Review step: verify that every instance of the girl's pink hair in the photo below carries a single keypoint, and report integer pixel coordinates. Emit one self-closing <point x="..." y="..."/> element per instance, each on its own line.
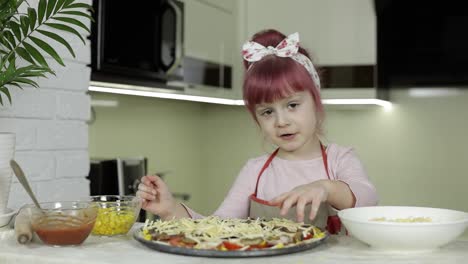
<point x="274" y="77"/>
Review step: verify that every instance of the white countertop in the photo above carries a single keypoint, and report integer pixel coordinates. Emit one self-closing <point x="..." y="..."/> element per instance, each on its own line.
<point x="98" y="250"/>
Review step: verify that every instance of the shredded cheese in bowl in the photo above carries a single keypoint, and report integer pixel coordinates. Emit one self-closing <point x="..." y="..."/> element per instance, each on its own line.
<point x="404" y="228"/>
<point x="403" y="220"/>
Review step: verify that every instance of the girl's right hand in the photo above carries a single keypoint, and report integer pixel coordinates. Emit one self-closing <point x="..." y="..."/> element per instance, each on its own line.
<point x="157" y="199"/>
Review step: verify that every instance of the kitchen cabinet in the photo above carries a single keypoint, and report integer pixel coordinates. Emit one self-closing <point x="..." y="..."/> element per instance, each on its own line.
<point x="210" y="37"/>
<point x="340" y="36"/>
<point x="226" y="5"/>
<point x="208" y="31"/>
<point x="336" y="32"/>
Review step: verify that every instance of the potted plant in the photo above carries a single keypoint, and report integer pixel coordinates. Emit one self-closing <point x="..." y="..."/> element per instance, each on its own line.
<point x="25" y="38"/>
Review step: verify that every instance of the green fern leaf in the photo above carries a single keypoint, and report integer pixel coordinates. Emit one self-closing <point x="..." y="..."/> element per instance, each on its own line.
<point x="25" y="69"/>
<point x="41" y="8"/>
<point x="65" y="28"/>
<point x="59" y="6"/>
<point x="33" y="74"/>
<point x="15" y="84"/>
<point x="68" y="2"/>
<point x="47" y="48"/>
<point x="2" y="60"/>
<point x="26" y="81"/>
<point x="18" y="3"/>
<point x="32" y="18"/>
<point x="31" y="71"/>
<point x="22" y="70"/>
<point x="50" y="7"/>
<point x="58" y="39"/>
<point x="78" y="5"/>
<point x="15" y="27"/>
<point x="24" y="54"/>
<point x="7" y="44"/>
<point x="35" y="54"/>
<point x="17" y="40"/>
<point x="72" y="21"/>
<point x="6" y="92"/>
<point x="4" y="5"/>
<point x="10" y="69"/>
<point x="24" y="22"/>
<point x="78" y="13"/>
<point x="10" y="40"/>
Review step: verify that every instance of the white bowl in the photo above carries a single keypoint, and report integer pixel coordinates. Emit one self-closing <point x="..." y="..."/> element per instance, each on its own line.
<point x="5" y="217"/>
<point x="445" y="226"/>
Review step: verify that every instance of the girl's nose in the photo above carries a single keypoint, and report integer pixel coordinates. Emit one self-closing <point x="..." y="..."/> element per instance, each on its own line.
<point x="282" y="119"/>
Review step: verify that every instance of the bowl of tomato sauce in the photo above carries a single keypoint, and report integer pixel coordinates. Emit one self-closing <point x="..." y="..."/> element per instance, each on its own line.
<point x="64" y="223"/>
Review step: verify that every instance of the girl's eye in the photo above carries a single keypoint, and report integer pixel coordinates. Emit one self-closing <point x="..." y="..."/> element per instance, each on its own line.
<point x="267" y="112"/>
<point x="293" y="105"/>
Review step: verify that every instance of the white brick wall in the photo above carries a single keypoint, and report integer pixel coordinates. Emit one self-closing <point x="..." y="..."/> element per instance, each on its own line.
<point x="51" y="130"/>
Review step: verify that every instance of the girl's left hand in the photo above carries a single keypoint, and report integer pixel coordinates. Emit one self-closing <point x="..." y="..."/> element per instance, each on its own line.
<point x="314" y="193"/>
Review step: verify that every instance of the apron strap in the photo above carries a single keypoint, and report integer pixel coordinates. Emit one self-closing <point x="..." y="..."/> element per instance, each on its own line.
<point x="333" y="221"/>
<point x="325" y="160"/>
<point x="267" y="163"/>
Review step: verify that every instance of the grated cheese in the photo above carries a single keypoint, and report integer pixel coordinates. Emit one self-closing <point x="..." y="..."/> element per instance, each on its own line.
<point x="210" y="232"/>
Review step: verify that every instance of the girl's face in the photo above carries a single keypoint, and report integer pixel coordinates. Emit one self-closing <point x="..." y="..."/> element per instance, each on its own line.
<point x="290" y="123"/>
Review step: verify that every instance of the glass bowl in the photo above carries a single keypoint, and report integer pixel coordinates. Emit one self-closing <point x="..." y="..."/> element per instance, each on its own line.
<point x="116" y="214"/>
<point x="404" y="228"/>
<point x="63" y="223"/>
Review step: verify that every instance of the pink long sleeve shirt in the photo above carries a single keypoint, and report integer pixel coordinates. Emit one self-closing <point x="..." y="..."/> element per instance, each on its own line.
<point x="283" y="175"/>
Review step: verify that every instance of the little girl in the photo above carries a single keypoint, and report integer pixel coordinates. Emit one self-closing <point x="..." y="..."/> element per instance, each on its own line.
<point x="282" y="92"/>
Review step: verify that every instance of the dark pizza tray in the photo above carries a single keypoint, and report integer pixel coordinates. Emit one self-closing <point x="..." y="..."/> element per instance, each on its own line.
<point x="226" y="254"/>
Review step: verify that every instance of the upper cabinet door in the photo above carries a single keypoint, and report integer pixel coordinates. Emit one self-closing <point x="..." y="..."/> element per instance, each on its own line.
<point x="228" y="5"/>
<point x="210" y="30"/>
<point x="336" y="32"/>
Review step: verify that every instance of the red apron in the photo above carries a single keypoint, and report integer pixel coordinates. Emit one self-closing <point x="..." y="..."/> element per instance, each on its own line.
<point x="326" y="215"/>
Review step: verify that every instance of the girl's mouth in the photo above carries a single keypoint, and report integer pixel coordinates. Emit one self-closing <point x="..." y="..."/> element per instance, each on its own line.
<point x="287" y="136"/>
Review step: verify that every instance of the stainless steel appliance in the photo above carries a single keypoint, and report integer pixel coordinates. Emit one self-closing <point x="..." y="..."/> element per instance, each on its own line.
<point x="117" y="176"/>
<point x="121" y="176"/>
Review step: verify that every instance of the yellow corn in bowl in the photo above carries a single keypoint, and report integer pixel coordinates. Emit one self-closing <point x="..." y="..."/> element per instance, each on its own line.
<point x="116" y="214"/>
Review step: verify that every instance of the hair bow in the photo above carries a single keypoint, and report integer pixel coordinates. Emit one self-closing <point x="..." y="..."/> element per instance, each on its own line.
<point x="288" y="47"/>
<point x="253" y="51"/>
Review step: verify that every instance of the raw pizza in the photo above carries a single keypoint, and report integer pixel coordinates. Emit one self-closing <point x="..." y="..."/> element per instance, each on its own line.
<point x="214" y="233"/>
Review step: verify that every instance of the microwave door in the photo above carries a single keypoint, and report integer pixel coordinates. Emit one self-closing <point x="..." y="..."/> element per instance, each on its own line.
<point x="171" y="31"/>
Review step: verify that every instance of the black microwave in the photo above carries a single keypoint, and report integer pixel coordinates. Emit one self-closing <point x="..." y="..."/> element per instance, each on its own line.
<point x="137" y="41"/>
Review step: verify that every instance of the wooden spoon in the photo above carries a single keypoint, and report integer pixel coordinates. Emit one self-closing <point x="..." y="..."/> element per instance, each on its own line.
<point x="22" y="179"/>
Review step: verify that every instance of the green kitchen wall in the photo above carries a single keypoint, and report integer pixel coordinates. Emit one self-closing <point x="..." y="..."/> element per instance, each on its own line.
<point x="416" y="154"/>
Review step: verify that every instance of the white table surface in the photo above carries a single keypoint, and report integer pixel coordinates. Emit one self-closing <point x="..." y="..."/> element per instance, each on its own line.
<point x="337" y="249"/>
